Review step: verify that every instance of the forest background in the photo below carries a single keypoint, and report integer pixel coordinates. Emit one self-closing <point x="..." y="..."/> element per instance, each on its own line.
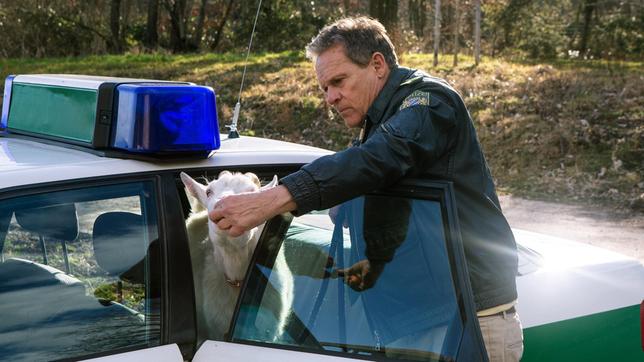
<point x="555" y="88"/>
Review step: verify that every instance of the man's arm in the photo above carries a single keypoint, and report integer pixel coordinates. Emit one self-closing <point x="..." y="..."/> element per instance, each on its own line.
<point x="238" y="213"/>
<point x="409" y="141"/>
<point x="411" y="138"/>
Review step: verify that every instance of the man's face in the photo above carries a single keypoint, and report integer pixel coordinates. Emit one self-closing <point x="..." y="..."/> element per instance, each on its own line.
<point x="348" y="87"/>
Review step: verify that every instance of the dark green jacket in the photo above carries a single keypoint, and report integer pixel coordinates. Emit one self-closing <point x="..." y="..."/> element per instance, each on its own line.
<point x="418" y="127"/>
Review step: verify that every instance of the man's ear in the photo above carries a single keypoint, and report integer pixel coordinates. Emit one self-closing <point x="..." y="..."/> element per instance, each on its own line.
<point x="194" y="188"/>
<point x="379" y="64"/>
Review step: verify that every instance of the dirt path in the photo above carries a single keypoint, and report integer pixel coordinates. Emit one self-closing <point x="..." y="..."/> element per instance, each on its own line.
<point x="602" y="228"/>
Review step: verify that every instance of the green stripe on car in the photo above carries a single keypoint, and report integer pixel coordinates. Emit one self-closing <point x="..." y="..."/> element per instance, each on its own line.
<point x="607" y="336"/>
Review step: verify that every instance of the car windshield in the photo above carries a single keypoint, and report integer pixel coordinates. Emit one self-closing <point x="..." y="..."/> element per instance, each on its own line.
<point x="381" y="285"/>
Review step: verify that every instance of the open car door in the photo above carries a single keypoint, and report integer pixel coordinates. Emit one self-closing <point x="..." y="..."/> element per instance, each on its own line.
<point x="386" y="279"/>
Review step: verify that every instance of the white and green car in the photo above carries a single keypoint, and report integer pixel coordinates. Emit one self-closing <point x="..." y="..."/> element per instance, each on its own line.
<point x="95" y="260"/>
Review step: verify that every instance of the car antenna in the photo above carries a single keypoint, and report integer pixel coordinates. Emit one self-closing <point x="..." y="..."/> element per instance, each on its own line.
<point x="232" y="133"/>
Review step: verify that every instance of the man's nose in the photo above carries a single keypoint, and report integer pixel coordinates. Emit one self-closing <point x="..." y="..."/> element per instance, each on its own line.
<point x="332" y="96"/>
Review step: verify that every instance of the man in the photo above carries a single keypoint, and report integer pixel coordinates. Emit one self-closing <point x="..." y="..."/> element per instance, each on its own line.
<point x="413" y="125"/>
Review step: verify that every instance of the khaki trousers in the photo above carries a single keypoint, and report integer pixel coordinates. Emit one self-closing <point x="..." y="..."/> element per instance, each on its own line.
<point x="503" y="337"/>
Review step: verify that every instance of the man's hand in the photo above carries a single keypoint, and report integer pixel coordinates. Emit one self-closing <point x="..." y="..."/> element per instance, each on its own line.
<point x="362" y="275"/>
<point x="238" y="213"/>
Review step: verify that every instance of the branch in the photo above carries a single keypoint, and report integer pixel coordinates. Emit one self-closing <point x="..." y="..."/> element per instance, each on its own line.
<point x="85" y="27"/>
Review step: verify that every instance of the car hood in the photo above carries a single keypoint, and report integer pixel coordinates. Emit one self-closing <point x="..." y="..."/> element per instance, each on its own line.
<point x="561" y="279"/>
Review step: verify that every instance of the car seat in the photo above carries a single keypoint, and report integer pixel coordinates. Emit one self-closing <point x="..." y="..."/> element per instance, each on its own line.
<point x="120" y="244"/>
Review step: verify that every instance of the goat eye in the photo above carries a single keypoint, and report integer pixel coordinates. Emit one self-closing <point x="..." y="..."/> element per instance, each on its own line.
<point x="208" y="193"/>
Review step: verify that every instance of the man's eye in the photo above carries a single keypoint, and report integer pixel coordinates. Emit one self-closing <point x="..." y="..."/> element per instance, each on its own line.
<point x="208" y="193"/>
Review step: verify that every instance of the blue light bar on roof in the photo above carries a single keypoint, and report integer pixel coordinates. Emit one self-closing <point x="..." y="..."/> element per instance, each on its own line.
<point x="165" y="118"/>
<point x="123" y="115"/>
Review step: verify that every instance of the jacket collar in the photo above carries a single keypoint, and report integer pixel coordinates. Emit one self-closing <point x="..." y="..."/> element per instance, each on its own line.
<point x="379" y="105"/>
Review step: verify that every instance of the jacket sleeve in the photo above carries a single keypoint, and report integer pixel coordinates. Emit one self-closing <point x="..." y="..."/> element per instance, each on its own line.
<point x="407" y="141"/>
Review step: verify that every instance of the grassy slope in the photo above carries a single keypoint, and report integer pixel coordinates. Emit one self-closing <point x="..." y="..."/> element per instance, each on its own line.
<point x="564" y="131"/>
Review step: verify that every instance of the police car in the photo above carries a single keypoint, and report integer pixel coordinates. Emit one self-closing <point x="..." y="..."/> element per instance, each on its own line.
<point x="95" y="260"/>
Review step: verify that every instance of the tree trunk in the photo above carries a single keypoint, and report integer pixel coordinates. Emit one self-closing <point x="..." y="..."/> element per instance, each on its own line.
<point x="199" y="27"/>
<point x="417" y="17"/>
<point x="437" y="29"/>
<point x="589" y="8"/>
<point x="177" y="9"/>
<point x="477" y="31"/>
<point x="457" y="15"/>
<point x="386" y="11"/>
<point x="222" y="23"/>
<point x="115" y="25"/>
<point x="151" y="30"/>
<point x="347" y="5"/>
<point x="126" y="15"/>
<point x="507" y="19"/>
<point x="573" y="37"/>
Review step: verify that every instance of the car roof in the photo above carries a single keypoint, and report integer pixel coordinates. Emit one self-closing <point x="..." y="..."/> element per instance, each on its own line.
<point x="28" y="161"/>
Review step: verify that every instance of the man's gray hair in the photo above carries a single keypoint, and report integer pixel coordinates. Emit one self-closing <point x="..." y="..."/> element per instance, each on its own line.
<point x="361" y="38"/>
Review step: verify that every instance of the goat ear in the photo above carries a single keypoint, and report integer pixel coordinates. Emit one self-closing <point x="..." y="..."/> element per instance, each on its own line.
<point x="271" y="184"/>
<point x="194" y="189"/>
<point x="253" y="178"/>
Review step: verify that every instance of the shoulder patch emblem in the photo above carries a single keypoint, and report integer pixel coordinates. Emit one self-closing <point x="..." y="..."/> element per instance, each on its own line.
<point x="417" y="98"/>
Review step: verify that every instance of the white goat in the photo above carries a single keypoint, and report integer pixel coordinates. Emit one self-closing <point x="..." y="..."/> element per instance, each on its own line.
<point x="220" y="262"/>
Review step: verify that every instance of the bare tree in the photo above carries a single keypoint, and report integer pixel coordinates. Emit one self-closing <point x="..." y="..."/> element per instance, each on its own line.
<point x="437" y="29"/>
<point x="346" y="4"/>
<point x="457" y="15"/>
<point x="222" y="23"/>
<point x="589" y="9"/>
<point x="177" y="9"/>
<point x="507" y="19"/>
<point x="116" y="44"/>
<point x="151" y="30"/>
<point x="417" y="16"/>
<point x="477" y="31"/>
<point x="200" y="22"/>
<point x="386" y="11"/>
